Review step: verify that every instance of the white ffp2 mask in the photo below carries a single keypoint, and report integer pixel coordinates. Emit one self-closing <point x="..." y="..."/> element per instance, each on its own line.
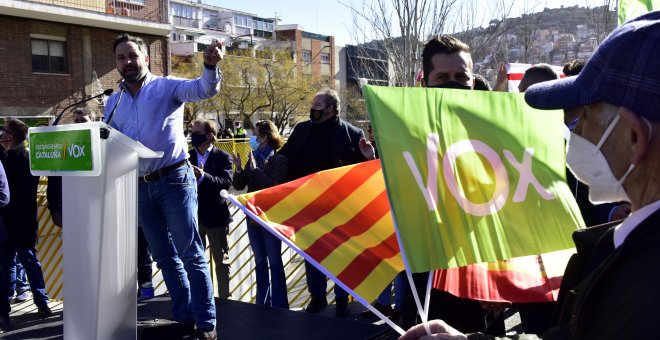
<point x="590" y="166"/>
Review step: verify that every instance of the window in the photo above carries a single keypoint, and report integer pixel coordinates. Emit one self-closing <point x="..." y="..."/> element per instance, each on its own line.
<point x="184" y="11"/>
<point x="49" y="56"/>
<point x="325" y="58"/>
<point x="307" y="55"/>
<point x="270" y="27"/>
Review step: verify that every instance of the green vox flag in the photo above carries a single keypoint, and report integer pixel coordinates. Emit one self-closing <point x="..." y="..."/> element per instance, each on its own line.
<point x="630" y="9"/>
<point x="61" y="151"/>
<point x="472" y="176"/>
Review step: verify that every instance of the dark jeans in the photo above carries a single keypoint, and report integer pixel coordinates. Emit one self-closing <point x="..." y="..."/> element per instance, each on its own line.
<point x="18" y="281"/>
<point x="267" y="251"/>
<point x="317" y="284"/>
<point x="144" y="268"/>
<point x="167" y="213"/>
<point x="28" y="258"/>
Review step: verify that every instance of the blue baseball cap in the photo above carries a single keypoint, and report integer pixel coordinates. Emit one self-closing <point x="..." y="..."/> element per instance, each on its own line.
<point x="623" y="71"/>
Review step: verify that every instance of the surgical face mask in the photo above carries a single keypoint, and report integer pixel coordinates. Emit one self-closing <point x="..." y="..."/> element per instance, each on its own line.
<point x="254" y="144"/>
<point x="197" y="139"/>
<point x="451" y="85"/>
<point x="590" y="166"/>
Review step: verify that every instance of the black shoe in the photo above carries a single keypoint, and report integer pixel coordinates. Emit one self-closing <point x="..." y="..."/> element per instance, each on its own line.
<point x="44" y="311"/>
<point x="341" y="309"/>
<point x="5" y="324"/>
<point x="203" y="335"/>
<point x="316" y="305"/>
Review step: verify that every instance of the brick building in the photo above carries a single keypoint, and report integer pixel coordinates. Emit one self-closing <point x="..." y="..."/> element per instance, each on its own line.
<point x="314" y="52"/>
<point x="57" y="52"/>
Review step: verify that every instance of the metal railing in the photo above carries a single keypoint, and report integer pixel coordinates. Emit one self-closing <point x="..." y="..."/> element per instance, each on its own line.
<point x="149" y="10"/>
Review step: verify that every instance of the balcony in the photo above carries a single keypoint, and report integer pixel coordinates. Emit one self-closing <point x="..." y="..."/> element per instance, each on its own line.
<point x="141" y="16"/>
<point x="149" y="10"/>
<point x="185" y="22"/>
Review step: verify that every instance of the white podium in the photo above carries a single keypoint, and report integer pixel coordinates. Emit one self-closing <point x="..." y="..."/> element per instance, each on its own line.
<point x="99" y="213"/>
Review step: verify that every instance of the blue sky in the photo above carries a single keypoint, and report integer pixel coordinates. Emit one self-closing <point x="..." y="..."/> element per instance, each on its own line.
<point x="330" y="17"/>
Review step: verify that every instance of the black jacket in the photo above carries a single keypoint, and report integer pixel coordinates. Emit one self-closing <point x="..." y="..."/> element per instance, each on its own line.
<point x="213" y="211"/>
<point x="20" y="215"/>
<point x="273" y="173"/>
<point x="619" y="296"/>
<point x="344" y="147"/>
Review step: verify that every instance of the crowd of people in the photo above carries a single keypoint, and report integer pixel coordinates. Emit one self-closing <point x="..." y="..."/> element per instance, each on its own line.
<point x="612" y="114"/>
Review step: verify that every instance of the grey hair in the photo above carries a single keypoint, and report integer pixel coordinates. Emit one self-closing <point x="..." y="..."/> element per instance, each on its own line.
<point x="331" y="98"/>
<point x="608" y="114"/>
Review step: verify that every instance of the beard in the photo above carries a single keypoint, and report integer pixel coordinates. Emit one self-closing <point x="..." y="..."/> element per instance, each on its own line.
<point x="133" y="74"/>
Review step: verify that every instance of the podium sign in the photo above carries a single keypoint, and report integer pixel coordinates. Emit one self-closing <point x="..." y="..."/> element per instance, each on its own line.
<point x="99" y="217"/>
<point x="68" y="150"/>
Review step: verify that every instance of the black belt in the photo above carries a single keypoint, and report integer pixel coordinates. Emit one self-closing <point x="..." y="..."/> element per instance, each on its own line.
<point x="162" y="172"/>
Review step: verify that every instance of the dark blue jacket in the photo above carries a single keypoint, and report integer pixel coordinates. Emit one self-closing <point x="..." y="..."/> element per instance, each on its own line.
<point x="213" y="211"/>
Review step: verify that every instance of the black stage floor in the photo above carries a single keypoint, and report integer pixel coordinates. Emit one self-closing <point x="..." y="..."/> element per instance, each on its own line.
<point x="236" y="320"/>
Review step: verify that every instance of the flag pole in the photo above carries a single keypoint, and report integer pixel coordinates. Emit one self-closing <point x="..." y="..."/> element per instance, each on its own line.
<point x="427" y="296"/>
<point x="309" y="259"/>
<point x="422" y="311"/>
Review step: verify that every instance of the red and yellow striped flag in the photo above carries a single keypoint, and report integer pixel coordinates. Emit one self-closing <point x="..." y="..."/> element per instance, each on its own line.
<point x="535" y="278"/>
<point x="339" y="218"/>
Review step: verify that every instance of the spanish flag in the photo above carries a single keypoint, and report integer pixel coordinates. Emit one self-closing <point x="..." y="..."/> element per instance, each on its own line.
<point x="339" y="220"/>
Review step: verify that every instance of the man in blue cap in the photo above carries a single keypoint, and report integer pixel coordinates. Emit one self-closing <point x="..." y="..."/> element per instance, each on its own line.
<point x="610" y="286"/>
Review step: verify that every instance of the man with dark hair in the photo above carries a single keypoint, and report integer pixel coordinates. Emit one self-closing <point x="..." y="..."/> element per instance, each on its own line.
<point x="151" y="112"/>
<point x="481" y="83"/>
<point x="536" y="74"/>
<point x="447" y="63"/>
<point x="83" y="115"/>
<point x="20" y="215"/>
<point x="321" y="143"/>
<point x="615" y="150"/>
<point x="213" y="170"/>
<point x="573" y="68"/>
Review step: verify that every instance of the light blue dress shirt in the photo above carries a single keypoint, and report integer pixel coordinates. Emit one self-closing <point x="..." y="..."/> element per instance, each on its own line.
<point x="154" y="116"/>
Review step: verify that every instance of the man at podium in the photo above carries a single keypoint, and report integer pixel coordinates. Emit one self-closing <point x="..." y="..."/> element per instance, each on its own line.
<point x="149" y="109"/>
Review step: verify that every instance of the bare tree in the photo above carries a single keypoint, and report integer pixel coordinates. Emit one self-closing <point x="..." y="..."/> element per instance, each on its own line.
<point x="397" y="28"/>
<point x="602" y="17"/>
<point x="486" y="36"/>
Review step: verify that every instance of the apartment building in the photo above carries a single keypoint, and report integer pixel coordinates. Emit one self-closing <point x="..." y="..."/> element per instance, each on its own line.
<point x="57" y="52"/>
<point x="195" y="25"/>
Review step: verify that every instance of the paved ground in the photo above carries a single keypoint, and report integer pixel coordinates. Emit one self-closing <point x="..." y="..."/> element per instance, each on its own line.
<point x="27" y="325"/>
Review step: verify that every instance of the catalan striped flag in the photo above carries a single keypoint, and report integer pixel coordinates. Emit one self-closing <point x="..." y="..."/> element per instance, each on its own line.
<point x="535" y="278"/>
<point x="337" y="219"/>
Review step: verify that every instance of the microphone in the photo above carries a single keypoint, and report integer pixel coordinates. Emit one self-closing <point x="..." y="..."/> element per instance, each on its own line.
<point x="114" y="108"/>
<point x="105" y="93"/>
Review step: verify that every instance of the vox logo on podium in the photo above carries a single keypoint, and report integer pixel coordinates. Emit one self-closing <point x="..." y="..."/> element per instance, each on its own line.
<point x="68" y="150"/>
<point x="74" y="150"/>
